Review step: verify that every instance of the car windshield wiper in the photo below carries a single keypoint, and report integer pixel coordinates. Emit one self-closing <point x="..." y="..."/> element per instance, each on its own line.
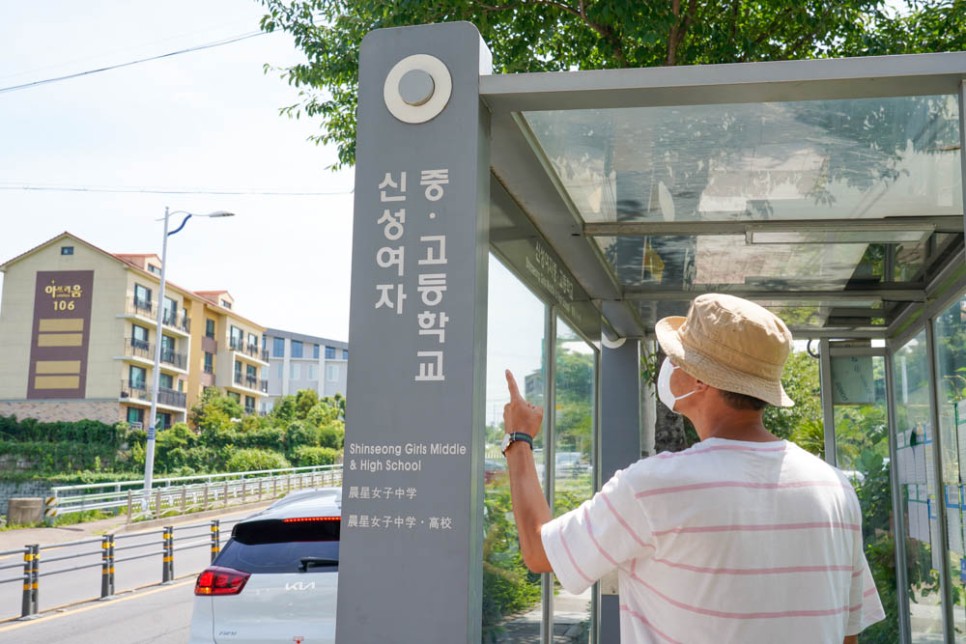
<point x="305" y="562"/>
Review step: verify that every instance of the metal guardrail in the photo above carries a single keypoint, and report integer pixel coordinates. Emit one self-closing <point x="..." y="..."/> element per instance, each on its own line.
<point x="108" y="547"/>
<point x="183" y="495"/>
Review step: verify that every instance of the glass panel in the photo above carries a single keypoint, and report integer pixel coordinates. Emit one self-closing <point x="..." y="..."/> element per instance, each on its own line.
<point x="515" y="340"/>
<point x="720" y="261"/>
<point x="834" y="159"/>
<point x="917" y="477"/>
<point x="951" y="367"/>
<point x="862" y="451"/>
<point x="573" y="451"/>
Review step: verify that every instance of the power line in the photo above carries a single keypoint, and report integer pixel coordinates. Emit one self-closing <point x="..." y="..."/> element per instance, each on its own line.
<point x="210" y="45"/>
<point x="175" y="191"/>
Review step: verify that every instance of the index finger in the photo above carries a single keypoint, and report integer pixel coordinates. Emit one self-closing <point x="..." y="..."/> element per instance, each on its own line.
<point x="512" y="384"/>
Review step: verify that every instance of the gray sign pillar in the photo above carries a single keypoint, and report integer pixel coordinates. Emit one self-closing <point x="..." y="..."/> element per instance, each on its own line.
<point x="620" y="443"/>
<point x="412" y="511"/>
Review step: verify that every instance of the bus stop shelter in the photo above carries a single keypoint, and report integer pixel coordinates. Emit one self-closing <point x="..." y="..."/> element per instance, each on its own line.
<point x="545" y="222"/>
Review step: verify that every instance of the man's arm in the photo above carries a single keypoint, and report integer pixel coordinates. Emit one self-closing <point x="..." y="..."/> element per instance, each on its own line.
<point x="530" y="508"/>
<point x="851" y="639"/>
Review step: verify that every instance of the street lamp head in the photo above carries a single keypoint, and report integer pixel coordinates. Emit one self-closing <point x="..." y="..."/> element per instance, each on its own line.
<point x="219" y="213"/>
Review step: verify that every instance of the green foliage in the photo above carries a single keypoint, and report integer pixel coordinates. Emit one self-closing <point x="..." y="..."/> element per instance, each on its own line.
<point x="801" y="422"/>
<point x="249" y="459"/>
<point x="215" y="410"/>
<point x="508" y="587"/>
<point x="310" y="455"/>
<point x="31" y="430"/>
<point x="598" y="34"/>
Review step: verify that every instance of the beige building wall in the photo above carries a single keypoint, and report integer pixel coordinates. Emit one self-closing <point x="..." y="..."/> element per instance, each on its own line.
<point x="110" y="353"/>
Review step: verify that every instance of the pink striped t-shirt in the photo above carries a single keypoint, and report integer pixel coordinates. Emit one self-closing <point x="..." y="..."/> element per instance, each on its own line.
<point x="728" y="541"/>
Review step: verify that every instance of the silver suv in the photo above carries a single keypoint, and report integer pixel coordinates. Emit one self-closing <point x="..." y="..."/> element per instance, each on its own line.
<point x="276" y="578"/>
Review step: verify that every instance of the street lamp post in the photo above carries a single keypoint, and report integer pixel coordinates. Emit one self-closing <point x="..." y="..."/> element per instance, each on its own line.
<point x="156" y="375"/>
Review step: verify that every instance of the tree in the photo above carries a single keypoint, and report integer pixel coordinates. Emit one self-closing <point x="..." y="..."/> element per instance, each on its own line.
<point x="556" y="35"/>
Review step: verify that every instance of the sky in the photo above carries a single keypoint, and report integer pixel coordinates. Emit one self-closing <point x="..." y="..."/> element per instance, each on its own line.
<point x="200" y="122"/>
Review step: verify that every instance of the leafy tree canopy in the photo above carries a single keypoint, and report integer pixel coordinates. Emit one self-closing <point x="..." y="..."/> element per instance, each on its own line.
<point x="555" y="35"/>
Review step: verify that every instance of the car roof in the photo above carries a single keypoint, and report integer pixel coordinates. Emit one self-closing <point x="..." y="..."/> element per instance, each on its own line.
<point x="304" y="503"/>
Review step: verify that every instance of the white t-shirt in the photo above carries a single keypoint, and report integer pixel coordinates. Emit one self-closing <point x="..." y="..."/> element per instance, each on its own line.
<point x="728" y="541"/>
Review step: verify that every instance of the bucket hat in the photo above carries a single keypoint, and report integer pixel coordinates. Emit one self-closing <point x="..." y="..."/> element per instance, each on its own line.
<point x="731" y="344"/>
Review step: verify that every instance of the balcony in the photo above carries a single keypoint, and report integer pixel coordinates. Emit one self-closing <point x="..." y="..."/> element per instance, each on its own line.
<point x="138" y="390"/>
<point x="244" y="380"/>
<point x="135" y="390"/>
<point x="177" y="320"/>
<point x="143" y="308"/>
<point x="138" y="348"/>
<point x="176" y="360"/>
<point x="250" y="350"/>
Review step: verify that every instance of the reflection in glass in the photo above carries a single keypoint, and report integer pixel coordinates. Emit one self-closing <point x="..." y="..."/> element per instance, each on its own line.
<point x="950" y="334"/>
<point x="831" y="159"/>
<point x="573" y="455"/>
<point x="862" y="452"/>
<point x="515" y="340"/>
<point x="917" y="479"/>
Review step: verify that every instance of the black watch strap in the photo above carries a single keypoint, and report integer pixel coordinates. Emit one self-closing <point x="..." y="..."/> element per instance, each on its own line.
<point x="518" y="436"/>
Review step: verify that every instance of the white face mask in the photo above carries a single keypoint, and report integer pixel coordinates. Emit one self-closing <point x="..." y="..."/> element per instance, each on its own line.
<point x="664" y="386"/>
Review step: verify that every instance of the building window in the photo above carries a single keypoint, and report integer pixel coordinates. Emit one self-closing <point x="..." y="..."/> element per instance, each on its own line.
<point x="313" y="375"/>
<point x="164" y="420"/>
<point x="238" y="372"/>
<point x="154" y="269"/>
<point x="296" y="373"/>
<point x="166" y="381"/>
<point x="209" y="362"/>
<point x="252" y="344"/>
<point x="234" y="395"/>
<point x="237" y="338"/>
<point x="332" y="372"/>
<point x="226" y="304"/>
<point x="279" y="371"/>
<point x="251" y="376"/>
<point x="170" y="311"/>
<point x="345" y="354"/>
<point x="167" y="350"/>
<point x="330" y="353"/>
<point x="135" y="417"/>
<point x="315" y="351"/>
<point x="137" y="377"/>
<point x="296" y="348"/>
<point x="139" y="337"/>
<point x="278" y="347"/>
<point x="249" y="405"/>
<point x="209" y="328"/>
<point x="66" y="250"/>
<point x="142" y="297"/>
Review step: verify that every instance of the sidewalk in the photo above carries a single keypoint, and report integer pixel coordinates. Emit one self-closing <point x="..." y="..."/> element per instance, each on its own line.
<point x="19" y="537"/>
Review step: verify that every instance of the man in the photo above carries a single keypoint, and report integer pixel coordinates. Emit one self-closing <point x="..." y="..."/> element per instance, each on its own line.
<point x="743" y="538"/>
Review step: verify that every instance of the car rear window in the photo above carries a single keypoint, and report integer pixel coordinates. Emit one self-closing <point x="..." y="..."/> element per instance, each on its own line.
<point x="273" y="546"/>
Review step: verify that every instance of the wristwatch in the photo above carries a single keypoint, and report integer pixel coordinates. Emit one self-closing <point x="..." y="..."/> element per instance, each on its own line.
<point x="512" y="437"/>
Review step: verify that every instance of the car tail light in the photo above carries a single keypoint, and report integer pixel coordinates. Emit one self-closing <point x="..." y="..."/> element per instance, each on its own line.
<point x="311" y="519"/>
<point x="220" y="581"/>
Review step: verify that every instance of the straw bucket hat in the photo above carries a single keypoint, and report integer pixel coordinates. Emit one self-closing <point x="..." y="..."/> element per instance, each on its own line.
<point x="731" y="344"/>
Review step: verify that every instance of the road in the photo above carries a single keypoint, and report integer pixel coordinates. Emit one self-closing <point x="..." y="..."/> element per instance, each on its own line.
<point x="157" y="615"/>
<point x="70" y="583"/>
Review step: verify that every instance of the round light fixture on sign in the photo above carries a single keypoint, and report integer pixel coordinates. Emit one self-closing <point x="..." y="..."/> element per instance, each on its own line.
<point x="417" y="88"/>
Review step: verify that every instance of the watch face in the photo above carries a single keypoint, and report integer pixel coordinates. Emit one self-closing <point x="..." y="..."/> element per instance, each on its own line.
<point x="505" y="443"/>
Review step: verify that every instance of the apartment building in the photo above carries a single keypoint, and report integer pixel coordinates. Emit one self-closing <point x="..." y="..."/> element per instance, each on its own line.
<point x="78" y="336"/>
<point x="298" y="361"/>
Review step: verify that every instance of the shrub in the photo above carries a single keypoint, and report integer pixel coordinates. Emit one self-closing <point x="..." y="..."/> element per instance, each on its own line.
<point x="311" y="455"/>
<point x="246" y="460"/>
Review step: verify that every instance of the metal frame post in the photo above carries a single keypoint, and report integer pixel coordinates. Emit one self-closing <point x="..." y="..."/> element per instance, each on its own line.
<point x="941" y="519"/>
<point x="828" y="408"/>
<point x="898" y="508"/>
<point x="549" y="427"/>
